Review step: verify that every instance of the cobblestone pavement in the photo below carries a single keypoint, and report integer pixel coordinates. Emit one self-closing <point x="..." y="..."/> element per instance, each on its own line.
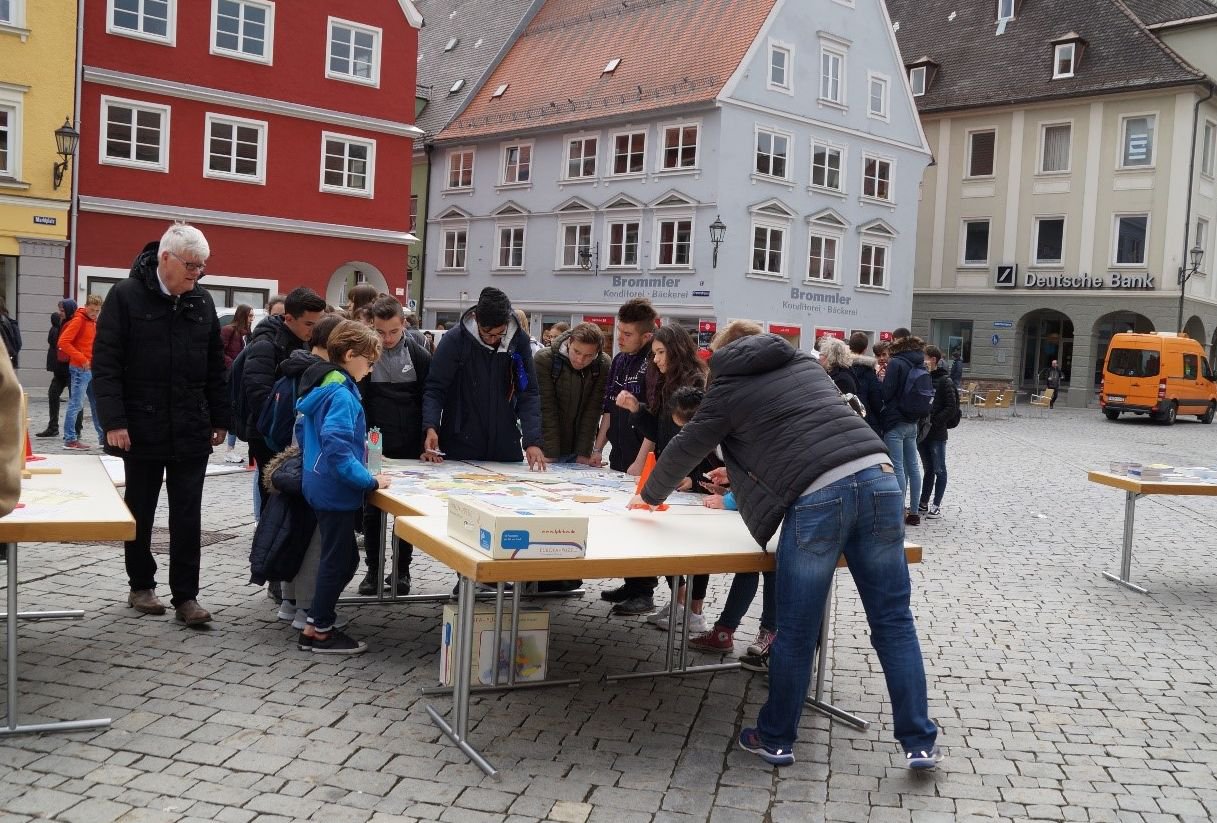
<point x="1061" y="695"/>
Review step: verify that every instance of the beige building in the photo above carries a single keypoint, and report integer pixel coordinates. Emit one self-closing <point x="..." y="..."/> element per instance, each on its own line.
<point x="1075" y="155"/>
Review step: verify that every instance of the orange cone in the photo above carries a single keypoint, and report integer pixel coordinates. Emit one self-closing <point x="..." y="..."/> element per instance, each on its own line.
<point x="30" y="457"/>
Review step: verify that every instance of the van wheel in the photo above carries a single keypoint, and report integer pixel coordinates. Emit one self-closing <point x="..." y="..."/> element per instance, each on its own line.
<point x="1112" y="415"/>
<point x="1207" y="417"/>
<point x="1168" y="417"/>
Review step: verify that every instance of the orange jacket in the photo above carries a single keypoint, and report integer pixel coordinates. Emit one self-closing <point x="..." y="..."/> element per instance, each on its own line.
<point x="76" y="340"/>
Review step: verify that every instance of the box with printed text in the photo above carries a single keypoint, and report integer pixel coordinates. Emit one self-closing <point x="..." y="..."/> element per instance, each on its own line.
<point x="517" y="532"/>
<point x="528" y="657"/>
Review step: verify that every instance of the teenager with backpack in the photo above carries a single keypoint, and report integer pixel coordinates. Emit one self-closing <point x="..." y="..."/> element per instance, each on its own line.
<point x="571" y="373"/>
<point x="908" y="396"/>
<point x="944" y="414"/>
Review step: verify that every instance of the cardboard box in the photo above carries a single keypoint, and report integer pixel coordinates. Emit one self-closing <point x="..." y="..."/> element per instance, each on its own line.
<point x="516" y="532"/>
<point x="532" y="646"/>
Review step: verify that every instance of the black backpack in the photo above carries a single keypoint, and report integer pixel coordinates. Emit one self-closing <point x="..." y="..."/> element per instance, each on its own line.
<point x="917" y="394"/>
<point x="956" y="412"/>
<point x="277" y="419"/>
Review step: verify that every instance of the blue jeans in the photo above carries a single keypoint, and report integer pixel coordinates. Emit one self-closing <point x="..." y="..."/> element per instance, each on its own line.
<point x="901" y="442"/>
<point x="739" y="599"/>
<point x="860" y="516"/>
<point x="80" y="387"/>
<point x="338" y="564"/>
<point x="934" y="459"/>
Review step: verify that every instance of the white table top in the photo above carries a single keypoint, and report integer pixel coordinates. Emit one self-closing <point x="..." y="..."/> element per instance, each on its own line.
<point x="78" y="504"/>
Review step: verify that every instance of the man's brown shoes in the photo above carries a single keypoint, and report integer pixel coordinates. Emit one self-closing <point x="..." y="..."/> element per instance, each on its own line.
<point x="146" y="601"/>
<point x="192" y="614"/>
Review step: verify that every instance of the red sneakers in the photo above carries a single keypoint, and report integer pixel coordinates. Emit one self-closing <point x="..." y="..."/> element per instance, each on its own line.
<point x="76" y="444"/>
<point x="718" y="639"/>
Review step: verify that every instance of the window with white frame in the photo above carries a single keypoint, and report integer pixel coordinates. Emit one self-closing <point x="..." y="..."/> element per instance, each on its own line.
<point x="456" y="244"/>
<point x="146" y="19"/>
<point x="575" y="238"/>
<point x="675" y="242"/>
<point x="135" y="134"/>
<point x="826" y="163"/>
<point x="10" y="135"/>
<point x="1049" y="241"/>
<point x="832" y="75"/>
<point x="823" y="257"/>
<point x="877" y="99"/>
<point x="872" y="264"/>
<point x="12" y="12"/>
<point x="1202" y="239"/>
<point x="1063" y="60"/>
<point x="460" y="169"/>
<point x="1208" y="151"/>
<point x="876" y="178"/>
<point x="772" y="153"/>
<point x="1137" y="141"/>
<point x="581" y="157"/>
<point x="680" y="147"/>
<point x="975" y="242"/>
<point x="235" y="149"/>
<point x="1056" y="148"/>
<point x="982" y="147"/>
<point x="780" y="60"/>
<point x="768" y="249"/>
<point x="348" y="164"/>
<point x="1005" y="9"/>
<point x="629" y="153"/>
<point x="623" y="244"/>
<point x="243" y="28"/>
<point x="917" y="80"/>
<point x="353" y="52"/>
<point x="517" y="164"/>
<point x="511" y="247"/>
<point x="1131" y="236"/>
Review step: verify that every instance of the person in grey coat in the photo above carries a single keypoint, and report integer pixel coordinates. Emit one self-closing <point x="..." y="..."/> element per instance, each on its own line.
<point x="799" y="457"/>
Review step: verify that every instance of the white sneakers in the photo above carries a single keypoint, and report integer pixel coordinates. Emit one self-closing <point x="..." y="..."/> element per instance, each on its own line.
<point x="231" y="456"/>
<point x="697" y="622"/>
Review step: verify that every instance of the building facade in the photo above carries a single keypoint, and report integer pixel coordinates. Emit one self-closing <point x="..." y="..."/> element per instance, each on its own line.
<point x="1062" y="214"/>
<point x="575" y="185"/>
<point x="283" y="131"/>
<point x="37" y="56"/>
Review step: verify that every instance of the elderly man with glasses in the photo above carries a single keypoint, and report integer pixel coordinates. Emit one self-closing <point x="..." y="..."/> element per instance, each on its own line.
<point x="481" y="392"/>
<point x="158" y="372"/>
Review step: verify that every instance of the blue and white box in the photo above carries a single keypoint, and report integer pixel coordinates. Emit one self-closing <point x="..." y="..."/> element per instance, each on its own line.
<point x="510" y="531"/>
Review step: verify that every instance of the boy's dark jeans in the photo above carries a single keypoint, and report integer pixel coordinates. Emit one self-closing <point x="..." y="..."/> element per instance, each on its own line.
<point x="405" y="551"/>
<point x="338" y="564"/>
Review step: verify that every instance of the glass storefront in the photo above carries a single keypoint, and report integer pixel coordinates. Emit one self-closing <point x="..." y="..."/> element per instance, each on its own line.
<point x="954" y="337"/>
<point x="1047" y="336"/>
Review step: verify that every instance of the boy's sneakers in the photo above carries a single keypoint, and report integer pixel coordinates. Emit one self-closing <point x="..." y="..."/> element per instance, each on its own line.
<point x="287" y="612"/>
<point x="922" y="508"/>
<point x="231" y="456"/>
<point x="912" y="520"/>
<point x="336" y="642"/>
<point x="76" y="444"/>
<point x="635" y="605"/>
<point x="697" y="622"/>
<point x="934" y="513"/>
<point x="718" y="639"/>
<point x="764" y="639"/>
<point x="750" y="741"/>
<point x="924" y="760"/>
<point x="755" y="662"/>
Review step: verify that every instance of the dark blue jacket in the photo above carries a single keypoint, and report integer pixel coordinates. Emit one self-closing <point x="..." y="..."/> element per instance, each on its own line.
<point x="902" y="361"/>
<point x="479" y="400"/>
<point x="870" y="390"/>
<point x="287" y="523"/>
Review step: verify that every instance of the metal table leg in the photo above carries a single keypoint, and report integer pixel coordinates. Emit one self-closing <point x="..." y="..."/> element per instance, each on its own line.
<point x="1130" y="516"/>
<point x="816" y="699"/>
<point x="11" y="726"/>
<point x="458" y="731"/>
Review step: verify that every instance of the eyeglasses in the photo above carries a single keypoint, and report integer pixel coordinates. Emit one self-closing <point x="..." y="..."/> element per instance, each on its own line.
<point x="197" y="268"/>
<point x="491" y="334"/>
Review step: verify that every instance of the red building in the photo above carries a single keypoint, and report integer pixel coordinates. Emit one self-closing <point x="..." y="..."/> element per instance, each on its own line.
<point x="283" y="130"/>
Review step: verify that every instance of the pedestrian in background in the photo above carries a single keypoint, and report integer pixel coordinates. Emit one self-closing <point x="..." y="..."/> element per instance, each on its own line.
<point x="10" y="333"/>
<point x="933" y="447"/>
<point x="900" y="427"/>
<point x="1055" y="376"/>
<point x="159" y="369"/>
<point x="57" y="365"/>
<point x="76" y="341"/>
<point x="836" y="360"/>
<point x="234" y="336"/>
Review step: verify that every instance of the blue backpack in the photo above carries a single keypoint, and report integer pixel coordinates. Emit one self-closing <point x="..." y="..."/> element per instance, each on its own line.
<point x="917" y="394"/>
<point x="277" y="419"/>
<point x="236" y="396"/>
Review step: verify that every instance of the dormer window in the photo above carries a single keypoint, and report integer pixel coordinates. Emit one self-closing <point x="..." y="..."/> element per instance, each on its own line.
<point x="921" y="75"/>
<point x="917" y="80"/>
<point x="1066" y="54"/>
<point x="1005" y="10"/>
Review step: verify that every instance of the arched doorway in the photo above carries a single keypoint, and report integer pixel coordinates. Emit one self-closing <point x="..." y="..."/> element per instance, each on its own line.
<point x="1110" y="324"/>
<point x="1047" y="335"/>
<point x="347" y="276"/>
<point x="1194" y="328"/>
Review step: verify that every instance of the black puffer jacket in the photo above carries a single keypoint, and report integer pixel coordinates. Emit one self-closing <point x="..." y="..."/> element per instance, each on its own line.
<point x="869" y="389"/>
<point x="269" y="345"/>
<point x="946" y="400"/>
<point x="287" y="522"/>
<point x="907" y="352"/>
<point x="397" y="408"/>
<point x="781" y="422"/>
<point x="158" y="367"/>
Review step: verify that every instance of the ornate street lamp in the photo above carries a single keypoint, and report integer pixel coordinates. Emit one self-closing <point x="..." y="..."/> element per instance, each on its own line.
<point x="718" y="230"/>
<point x="66" y="141"/>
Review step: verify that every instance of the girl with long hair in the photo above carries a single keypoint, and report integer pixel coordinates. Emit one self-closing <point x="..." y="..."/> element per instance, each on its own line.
<point x="234" y="336"/>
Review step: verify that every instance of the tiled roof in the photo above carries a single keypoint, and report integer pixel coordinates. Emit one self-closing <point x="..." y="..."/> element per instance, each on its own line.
<point x="673" y="53"/>
<point x="1153" y="12"/>
<point x="977" y="67"/>
<point x="482" y="28"/>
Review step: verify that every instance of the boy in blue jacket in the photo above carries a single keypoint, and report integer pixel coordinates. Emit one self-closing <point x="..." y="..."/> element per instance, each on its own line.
<point x="331" y="432"/>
